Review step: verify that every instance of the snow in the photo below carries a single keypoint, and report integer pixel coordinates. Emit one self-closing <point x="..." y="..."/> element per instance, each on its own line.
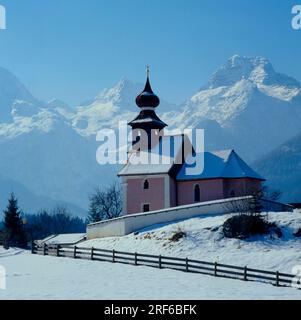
<point x="219" y="164"/>
<point x="161" y="157"/>
<point x="221" y="104"/>
<point x="10" y="252"/>
<point x="246" y="95"/>
<point x="204" y="241"/>
<point x="257" y="69"/>
<point x="43" y="277"/>
<point x="280" y="92"/>
<point x="71" y="238"/>
<point x="111" y="106"/>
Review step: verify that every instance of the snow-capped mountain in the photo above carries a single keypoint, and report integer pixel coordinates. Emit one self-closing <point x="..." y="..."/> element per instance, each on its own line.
<point x="109" y="107"/>
<point x="259" y="71"/>
<point x="13" y="94"/>
<point x="282" y="168"/>
<point x="42" y="153"/>
<point x="49" y="147"/>
<point x="256" y="107"/>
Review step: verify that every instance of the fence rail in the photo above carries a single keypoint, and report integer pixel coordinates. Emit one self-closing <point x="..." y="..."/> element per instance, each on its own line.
<point x="158" y="261"/>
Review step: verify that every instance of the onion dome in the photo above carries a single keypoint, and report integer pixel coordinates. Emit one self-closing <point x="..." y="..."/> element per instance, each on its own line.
<point x="147" y="98"/>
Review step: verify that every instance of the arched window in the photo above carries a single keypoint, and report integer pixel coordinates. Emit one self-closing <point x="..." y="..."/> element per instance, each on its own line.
<point x="197" y="193"/>
<point x="146" y="185"/>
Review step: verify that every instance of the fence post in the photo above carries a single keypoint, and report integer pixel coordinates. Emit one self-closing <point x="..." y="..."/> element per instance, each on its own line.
<point x="246" y="274"/>
<point x="32" y="247"/>
<point x="136" y="259"/>
<point x="187" y="265"/>
<point x="277" y="279"/>
<point x="215" y="269"/>
<point x="160" y="262"/>
<point x="113" y="256"/>
<point x="92" y="253"/>
<point x="74" y="252"/>
<point x="58" y="250"/>
<point x="44" y="249"/>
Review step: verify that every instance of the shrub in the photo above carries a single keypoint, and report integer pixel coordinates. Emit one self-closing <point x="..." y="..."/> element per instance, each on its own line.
<point x="246" y="225"/>
<point x="178" y="235"/>
<point x="297" y="234"/>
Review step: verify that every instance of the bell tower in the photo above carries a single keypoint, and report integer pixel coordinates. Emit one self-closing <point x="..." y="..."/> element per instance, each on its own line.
<point x="147" y="126"/>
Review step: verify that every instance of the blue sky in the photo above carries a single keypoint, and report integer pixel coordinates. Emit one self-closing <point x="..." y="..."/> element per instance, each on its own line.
<point x="71" y="49"/>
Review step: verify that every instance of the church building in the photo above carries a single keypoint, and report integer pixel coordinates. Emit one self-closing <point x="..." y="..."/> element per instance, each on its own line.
<point x="149" y="187"/>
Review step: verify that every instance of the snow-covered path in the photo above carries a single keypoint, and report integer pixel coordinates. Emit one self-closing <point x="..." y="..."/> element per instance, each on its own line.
<point x="38" y="277"/>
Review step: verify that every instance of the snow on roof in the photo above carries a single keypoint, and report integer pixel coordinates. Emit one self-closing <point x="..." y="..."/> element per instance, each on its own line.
<point x="70" y="238"/>
<point x="217" y="164"/>
<point x="166" y="151"/>
<point x="220" y="164"/>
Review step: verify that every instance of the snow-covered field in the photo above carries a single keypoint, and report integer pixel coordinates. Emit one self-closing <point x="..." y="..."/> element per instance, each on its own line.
<point x="205" y="241"/>
<point x="38" y="277"/>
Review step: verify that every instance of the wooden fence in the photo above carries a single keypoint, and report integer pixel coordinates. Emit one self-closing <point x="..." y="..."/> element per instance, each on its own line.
<point x="162" y="262"/>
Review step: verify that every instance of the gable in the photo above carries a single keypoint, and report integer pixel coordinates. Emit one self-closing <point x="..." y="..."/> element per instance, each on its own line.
<point x="220" y="164"/>
<point x="168" y="153"/>
<point x="217" y="164"/>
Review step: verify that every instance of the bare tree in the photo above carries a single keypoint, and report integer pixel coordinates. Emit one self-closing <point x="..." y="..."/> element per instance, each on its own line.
<point x="238" y="206"/>
<point x="269" y="194"/>
<point x="254" y="205"/>
<point x="105" y="203"/>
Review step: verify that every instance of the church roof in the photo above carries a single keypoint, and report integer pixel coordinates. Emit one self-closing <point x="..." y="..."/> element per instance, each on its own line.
<point x="147" y="98"/>
<point x="148" y="117"/>
<point x="147" y="101"/>
<point x="161" y="150"/>
<point x="224" y="164"/>
<point x="220" y="164"/>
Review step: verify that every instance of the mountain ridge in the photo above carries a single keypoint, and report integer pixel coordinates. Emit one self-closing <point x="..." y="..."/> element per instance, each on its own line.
<point x="282" y="168"/>
<point x="50" y="147"/>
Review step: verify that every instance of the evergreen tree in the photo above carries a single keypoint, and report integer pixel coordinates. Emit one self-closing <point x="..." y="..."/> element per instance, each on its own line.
<point x="14" y="233"/>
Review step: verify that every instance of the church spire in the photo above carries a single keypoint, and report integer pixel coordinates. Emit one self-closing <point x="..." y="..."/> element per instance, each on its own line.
<point x="147" y="98"/>
<point x="147" y="119"/>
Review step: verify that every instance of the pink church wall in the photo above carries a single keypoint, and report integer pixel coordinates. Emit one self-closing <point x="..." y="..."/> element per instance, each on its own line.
<point x="137" y="196"/>
<point x="173" y="193"/>
<point x="210" y="190"/>
<point x="234" y="187"/>
<point x="240" y="187"/>
<point x="215" y="189"/>
<point x="182" y="192"/>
